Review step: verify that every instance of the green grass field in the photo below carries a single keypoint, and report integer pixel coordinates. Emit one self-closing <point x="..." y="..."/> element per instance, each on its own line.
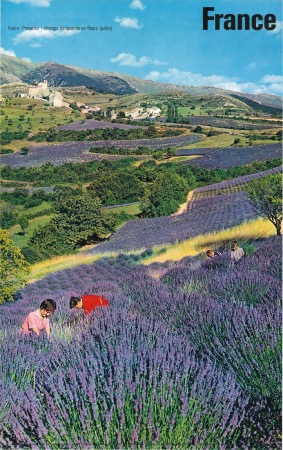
<point x="19" y="239"/>
<point x="133" y="210"/>
<point x="16" y="116"/>
<point x="36" y="209"/>
<point x="227" y="138"/>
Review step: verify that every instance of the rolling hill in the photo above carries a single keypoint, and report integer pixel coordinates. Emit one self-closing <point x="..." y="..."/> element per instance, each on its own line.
<point x="17" y="70"/>
<point x="60" y="75"/>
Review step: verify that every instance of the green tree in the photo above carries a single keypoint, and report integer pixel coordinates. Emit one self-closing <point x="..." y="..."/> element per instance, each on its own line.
<point x="24" y="151"/>
<point x="8" y="216"/>
<point x="78" y="221"/>
<point x="108" y="112"/>
<point x="47" y="241"/>
<point x="81" y="219"/>
<point x="166" y="193"/>
<point x="117" y="186"/>
<point x="172" y="112"/>
<point x="197" y="129"/>
<point x="266" y="196"/>
<point x="170" y="152"/>
<point x="23" y="222"/>
<point x="13" y="268"/>
<point x="74" y="106"/>
<point x="121" y="115"/>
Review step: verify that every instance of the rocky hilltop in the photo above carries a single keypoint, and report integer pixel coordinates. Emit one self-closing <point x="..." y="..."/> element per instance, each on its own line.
<point x="60" y="75"/>
<point x="15" y="70"/>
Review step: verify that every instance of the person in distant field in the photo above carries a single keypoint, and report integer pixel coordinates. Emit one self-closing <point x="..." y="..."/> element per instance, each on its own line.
<point x="212" y="253"/>
<point x="237" y="252"/>
<point x="88" y="302"/>
<point x="38" y="320"/>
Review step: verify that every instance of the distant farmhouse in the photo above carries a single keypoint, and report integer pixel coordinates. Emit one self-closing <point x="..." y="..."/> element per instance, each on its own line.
<point x="143" y="113"/>
<point x="86" y="109"/>
<point x="42" y="91"/>
<point x="154" y="111"/>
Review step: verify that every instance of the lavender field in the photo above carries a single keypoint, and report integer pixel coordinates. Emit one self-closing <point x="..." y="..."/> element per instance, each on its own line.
<point x="232" y="123"/>
<point x="183" y="358"/>
<point x="211" y="208"/>
<point x="77" y="152"/>
<point x="93" y="124"/>
<point x="202" y="216"/>
<point x="226" y="157"/>
<point x="234" y="184"/>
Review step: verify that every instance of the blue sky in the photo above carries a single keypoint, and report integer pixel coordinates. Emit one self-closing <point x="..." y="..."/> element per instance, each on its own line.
<point x="161" y="40"/>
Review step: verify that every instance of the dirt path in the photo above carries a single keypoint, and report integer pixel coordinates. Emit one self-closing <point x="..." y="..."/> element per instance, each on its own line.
<point x="184" y="206"/>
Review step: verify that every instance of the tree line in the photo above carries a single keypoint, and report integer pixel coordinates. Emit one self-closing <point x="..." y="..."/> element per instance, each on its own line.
<point x="104" y="134"/>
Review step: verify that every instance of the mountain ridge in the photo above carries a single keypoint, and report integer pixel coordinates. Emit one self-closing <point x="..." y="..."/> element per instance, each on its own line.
<point x="63" y="75"/>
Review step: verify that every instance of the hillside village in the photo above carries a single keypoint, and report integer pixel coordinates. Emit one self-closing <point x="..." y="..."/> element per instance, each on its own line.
<point x="43" y="92"/>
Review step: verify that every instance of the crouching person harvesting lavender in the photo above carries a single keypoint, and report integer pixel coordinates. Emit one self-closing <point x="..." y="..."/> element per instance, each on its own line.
<point x="38" y="320"/>
<point x="88" y="302"/>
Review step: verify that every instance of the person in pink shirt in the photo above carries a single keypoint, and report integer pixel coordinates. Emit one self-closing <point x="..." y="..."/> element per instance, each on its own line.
<point x="38" y="320"/>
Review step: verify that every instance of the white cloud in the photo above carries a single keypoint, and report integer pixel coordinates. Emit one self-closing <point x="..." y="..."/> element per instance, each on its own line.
<point x="257" y="65"/>
<point x="179" y="77"/>
<point x="272" y="79"/>
<point x="176" y="76"/>
<point x="137" y="4"/>
<point x="127" y="59"/>
<point x="252" y="66"/>
<point x="12" y="53"/>
<point x="29" y="35"/>
<point x="128" y="22"/>
<point x="275" y="88"/>
<point x="40" y="3"/>
<point x="7" y="52"/>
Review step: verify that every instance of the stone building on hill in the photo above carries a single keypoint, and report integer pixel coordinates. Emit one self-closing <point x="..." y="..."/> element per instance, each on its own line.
<point x="56" y="100"/>
<point x="42" y="91"/>
<point x="39" y="91"/>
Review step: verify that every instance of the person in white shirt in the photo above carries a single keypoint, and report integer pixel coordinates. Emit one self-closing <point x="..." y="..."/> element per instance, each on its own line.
<point x="237" y="252"/>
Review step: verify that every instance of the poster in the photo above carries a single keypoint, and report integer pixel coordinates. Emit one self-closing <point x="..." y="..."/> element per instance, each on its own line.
<point x="137" y="138"/>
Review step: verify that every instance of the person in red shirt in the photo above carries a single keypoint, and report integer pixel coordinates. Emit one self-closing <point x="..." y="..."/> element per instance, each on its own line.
<point x="88" y="302"/>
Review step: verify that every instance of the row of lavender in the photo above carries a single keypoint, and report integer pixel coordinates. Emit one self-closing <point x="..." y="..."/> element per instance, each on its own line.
<point x="203" y="215"/>
<point x="233" y="123"/>
<point x="77" y="152"/>
<point x="227" y="157"/>
<point x="90" y="124"/>
<point x="183" y="358"/>
<point x="238" y="181"/>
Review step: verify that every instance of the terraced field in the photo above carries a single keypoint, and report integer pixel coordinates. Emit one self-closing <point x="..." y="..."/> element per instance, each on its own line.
<point x="233" y="185"/>
<point x="91" y="124"/>
<point x="203" y="216"/>
<point x="72" y="152"/>
<point x="226" y="157"/>
<point x="232" y="123"/>
<point x="212" y="208"/>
